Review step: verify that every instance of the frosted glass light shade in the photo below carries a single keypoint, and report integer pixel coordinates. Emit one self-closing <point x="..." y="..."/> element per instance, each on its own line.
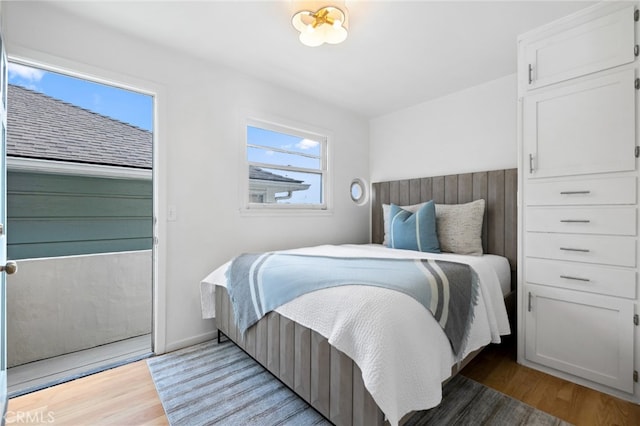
<point x="325" y="25"/>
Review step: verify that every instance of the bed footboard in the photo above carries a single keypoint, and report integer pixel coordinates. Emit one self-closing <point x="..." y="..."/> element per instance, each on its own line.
<point x="304" y="361"/>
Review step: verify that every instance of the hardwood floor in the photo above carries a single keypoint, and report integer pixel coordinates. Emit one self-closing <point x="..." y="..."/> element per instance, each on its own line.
<point x="496" y="367"/>
<point x="121" y="396"/>
<point x="42" y="373"/>
<point x="127" y="395"/>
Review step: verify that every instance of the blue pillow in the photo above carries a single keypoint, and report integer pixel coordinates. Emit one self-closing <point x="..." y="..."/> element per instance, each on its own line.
<point x="414" y="231"/>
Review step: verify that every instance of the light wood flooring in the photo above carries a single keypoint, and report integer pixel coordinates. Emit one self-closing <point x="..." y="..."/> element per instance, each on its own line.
<point x="121" y="396"/>
<point x="496" y="368"/>
<point x="126" y="395"/>
<point x="39" y="374"/>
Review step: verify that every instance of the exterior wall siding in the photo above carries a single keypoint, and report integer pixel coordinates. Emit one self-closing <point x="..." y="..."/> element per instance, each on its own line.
<point x="58" y="215"/>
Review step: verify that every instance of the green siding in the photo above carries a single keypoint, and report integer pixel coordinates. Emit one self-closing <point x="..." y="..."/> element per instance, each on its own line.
<point x="56" y="215"/>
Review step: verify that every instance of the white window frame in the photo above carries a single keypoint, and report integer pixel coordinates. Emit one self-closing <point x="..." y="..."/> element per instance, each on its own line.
<point x="295" y="129"/>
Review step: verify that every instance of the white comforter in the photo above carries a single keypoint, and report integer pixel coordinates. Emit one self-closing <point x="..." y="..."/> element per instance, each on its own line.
<point x="403" y="353"/>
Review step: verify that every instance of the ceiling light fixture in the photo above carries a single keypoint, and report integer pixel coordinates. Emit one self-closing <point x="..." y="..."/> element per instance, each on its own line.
<point x="321" y="22"/>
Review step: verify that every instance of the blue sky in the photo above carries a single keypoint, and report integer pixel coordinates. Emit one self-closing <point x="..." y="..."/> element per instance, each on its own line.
<point x="124" y="105"/>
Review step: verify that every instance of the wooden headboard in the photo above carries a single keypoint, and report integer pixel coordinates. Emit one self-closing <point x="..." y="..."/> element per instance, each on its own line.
<point x="499" y="188"/>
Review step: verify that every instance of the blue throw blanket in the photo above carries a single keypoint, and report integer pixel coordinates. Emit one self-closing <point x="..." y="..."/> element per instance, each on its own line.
<point x="259" y="283"/>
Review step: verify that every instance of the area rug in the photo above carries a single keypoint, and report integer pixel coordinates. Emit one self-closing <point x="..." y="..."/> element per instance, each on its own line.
<point x="219" y="384"/>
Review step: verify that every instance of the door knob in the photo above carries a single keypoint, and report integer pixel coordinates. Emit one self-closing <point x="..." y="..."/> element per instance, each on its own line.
<point x="10" y="268"/>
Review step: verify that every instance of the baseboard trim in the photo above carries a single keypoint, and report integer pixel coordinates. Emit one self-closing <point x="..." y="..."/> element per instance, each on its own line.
<point x="190" y="341"/>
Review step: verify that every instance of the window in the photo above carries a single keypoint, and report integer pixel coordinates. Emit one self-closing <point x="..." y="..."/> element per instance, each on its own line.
<point x="287" y="167"/>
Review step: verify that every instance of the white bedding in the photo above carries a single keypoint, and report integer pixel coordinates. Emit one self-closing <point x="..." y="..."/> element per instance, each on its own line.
<point x="403" y="353"/>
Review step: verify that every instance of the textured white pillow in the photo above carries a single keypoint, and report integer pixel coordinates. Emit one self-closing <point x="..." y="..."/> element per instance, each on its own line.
<point x="459" y="227"/>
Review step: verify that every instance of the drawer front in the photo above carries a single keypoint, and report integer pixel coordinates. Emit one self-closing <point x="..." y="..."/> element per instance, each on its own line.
<point x="611" y="281"/>
<point x="606" y="250"/>
<point x="621" y="190"/>
<point x="583" y="220"/>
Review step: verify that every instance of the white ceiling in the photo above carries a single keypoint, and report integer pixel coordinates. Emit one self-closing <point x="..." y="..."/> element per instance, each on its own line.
<point x="398" y="53"/>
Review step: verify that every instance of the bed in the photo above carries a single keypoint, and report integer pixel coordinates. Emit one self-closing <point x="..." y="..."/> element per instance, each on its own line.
<point x="309" y="343"/>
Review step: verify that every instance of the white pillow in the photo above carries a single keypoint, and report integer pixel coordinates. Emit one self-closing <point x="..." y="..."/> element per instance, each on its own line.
<point x="459" y="226"/>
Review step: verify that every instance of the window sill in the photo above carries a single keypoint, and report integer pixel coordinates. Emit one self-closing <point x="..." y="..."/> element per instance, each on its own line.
<point x="285" y="212"/>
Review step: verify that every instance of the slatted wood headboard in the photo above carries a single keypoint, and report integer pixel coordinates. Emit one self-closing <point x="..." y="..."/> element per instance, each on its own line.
<point x="498" y="188"/>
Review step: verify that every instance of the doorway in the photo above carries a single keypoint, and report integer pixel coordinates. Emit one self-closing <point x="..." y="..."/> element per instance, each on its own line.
<point x="80" y="226"/>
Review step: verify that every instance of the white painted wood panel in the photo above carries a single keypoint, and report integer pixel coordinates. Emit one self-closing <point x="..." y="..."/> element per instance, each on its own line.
<point x="583" y="220"/>
<point x="590" y="336"/>
<point x="586" y="127"/>
<point x="602" y="249"/>
<point x="578" y="235"/>
<point x="617" y="190"/>
<point x="592" y="46"/>
<point x="608" y="280"/>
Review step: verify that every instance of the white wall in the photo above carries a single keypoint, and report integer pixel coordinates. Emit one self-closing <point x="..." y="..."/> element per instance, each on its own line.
<point x="69" y="303"/>
<point x="199" y="153"/>
<point x="467" y="131"/>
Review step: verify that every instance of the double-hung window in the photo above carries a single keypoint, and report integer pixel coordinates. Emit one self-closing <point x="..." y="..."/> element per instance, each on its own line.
<point x="287" y="167"/>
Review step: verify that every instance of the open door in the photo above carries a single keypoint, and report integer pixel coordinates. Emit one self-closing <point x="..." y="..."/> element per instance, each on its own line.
<point x="10" y="267"/>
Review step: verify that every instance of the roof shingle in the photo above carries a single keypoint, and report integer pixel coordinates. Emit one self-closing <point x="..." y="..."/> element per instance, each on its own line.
<point x="39" y="126"/>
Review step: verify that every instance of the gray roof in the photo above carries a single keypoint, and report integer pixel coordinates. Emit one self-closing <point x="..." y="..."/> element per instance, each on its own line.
<point x="258" y="174"/>
<point x="39" y="126"/>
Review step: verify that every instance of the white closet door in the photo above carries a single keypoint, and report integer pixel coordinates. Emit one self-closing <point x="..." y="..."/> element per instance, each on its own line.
<point x="587" y="127"/>
<point x="593" y="46"/>
<point x="590" y="336"/>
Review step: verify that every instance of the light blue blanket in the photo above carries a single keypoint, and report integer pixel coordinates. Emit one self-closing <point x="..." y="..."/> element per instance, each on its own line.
<point x="259" y="283"/>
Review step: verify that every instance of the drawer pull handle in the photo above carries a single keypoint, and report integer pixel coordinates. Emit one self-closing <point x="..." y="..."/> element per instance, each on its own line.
<point x="575" y="221"/>
<point x="575" y="249"/>
<point x="574" y="192"/>
<point x="529" y="304"/>
<point x="568" y="277"/>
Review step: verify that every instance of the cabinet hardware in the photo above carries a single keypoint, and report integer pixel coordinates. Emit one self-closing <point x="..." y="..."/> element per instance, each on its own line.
<point x="569" y="277"/>
<point x="575" y="249"/>
<point x="575" y="221"/>
<point x="574" y="192"/>
<point x="635" y="376"/>
<point x="637" y="151"/>
<point x="530" y="73"/>
<point x="636" y="320"/>
<point x="636" y="15"/>
<point x="637" y="84"/>
<point x="530" y="163"/>
<point x="529" y="305"/>
<point x="636" y="50"/>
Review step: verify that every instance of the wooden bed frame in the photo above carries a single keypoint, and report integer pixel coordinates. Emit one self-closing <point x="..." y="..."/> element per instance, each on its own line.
<point x="305" y="361"/>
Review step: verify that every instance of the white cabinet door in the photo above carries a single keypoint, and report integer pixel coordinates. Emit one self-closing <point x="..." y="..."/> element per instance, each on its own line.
<point x="586" y="127"/>
<point x="592" y="46"/>
<point x="590" y="336"/>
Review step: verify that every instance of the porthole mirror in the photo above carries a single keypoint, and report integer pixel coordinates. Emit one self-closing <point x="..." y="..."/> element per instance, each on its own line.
<point x="358" y="191"/>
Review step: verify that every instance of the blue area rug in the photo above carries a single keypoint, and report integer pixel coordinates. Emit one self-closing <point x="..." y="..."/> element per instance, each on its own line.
<point x="219" y="384"/>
